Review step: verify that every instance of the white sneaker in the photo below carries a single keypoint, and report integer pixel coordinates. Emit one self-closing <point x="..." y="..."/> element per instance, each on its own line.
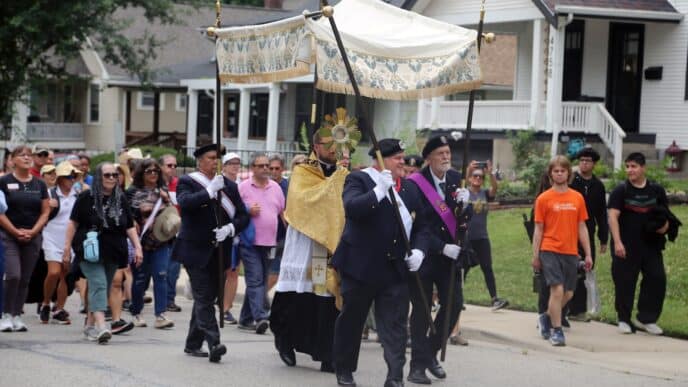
<point x="91" y="333"/>
<point x="139" y="321"/>
<point x="18" y="325"/>
<point x="103" y="335"/>
<point x="624" y="328"/>
<point x="650" y="328"/>
<point x="162" y="322"/>
<point x="6" y="323"/>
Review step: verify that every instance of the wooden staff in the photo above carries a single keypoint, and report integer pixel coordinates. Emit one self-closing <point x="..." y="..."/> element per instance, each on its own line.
<point x="328" y="12"/>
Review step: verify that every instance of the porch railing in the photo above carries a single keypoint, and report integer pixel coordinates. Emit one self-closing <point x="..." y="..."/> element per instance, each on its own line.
<point x="54" y="131"/>
<point x="611" y="134"/>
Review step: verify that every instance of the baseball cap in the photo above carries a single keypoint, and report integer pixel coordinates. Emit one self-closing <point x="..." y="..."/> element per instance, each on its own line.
<point x="230" y="156"/>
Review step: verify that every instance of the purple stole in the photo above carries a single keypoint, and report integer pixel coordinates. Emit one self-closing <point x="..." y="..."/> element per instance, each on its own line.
<point x="436" y="201"/>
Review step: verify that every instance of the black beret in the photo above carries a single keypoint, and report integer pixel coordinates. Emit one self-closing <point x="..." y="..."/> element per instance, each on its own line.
<point x="434" y="143"/>
<point x="388" y="147"/>
<point x="414" y="160"/>
<point x="207" y="148"/>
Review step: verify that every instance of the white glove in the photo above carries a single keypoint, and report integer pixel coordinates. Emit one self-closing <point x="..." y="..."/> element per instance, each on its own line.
<point x="451" y="251"/>
<point x="414" y="260"/>
<point x="215" y="185"/>
<point x="462" y="195"/>
<point x="224" y="232"/>
<point x="386" y="182"/>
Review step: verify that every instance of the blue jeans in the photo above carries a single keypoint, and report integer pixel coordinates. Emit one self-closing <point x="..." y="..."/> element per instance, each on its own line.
<point x="172" y="277"/>
<point x="256" y="263"/>
<point x="154" y="265"/>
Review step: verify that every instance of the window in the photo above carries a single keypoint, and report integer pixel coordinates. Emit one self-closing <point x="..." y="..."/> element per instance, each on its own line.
<point x="94" y="103"/>
<point x="146" y="100"/>
<point x="686" y="92"/>
<point x="180" y="103"/>
<point x="258" y="119"/>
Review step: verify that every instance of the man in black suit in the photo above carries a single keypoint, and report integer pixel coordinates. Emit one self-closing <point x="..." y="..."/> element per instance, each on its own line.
<point x="204" y="226"/>
<point x="372" y="262"/>
<point x="438" y="184"/>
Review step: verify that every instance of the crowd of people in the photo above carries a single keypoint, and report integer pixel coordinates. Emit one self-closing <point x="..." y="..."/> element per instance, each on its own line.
<point x="341" y="246"/>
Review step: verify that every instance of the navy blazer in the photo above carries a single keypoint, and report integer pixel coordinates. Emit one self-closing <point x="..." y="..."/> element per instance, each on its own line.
<point x="371" y="249"/>
<point x="196" y="240"/>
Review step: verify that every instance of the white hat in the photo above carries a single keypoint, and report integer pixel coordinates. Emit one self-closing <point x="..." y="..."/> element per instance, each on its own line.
<point x="230" y="156"/>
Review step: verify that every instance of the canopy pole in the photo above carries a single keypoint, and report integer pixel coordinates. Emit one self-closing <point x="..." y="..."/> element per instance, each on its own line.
<point x="328" y="12"/>
<point x="218" y="139"/>
<point x="461" y="229"/>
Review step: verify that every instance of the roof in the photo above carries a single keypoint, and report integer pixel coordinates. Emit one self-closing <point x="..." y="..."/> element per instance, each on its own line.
<point x="655" y="10"/>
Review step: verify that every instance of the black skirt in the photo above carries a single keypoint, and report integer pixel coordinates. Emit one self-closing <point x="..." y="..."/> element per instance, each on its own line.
<point x="304" y="322"/>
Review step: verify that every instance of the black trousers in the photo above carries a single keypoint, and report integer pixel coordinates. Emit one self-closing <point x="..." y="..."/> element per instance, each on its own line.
<point x="579" y="303"/>
<point x="483" y="254"/>
<point x="424" y="348"/>
<point x="204" y="287"/>
<point x="391" y="313"/>
<point x="650" y="263"/>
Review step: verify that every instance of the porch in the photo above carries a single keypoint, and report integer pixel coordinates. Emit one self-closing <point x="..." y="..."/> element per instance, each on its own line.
<point x="56" y="135"/>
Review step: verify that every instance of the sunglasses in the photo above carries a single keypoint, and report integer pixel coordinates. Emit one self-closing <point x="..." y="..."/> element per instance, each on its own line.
<point x="478" y="176"/>
<point x="70" y="177"/>
<point x="172" y="166"/>
<point x="114" y="175"/>
<point x="275" y="168"/>
<point x="261" y="165"/>
<point x="151" y="171"/>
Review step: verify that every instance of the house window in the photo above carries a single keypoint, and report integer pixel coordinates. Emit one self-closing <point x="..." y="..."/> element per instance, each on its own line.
<point x="180" y="103"/>
<point x="94" y="103"/>
<point x="146" y="100"/>
<point x="258" y="116"/>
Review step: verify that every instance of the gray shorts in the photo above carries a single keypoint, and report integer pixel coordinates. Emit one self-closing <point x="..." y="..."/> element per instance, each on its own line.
<point x="559" y="269"/>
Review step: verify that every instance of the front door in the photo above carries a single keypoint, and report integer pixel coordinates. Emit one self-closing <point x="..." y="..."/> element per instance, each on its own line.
<point x="573" y="60"/>
<point x="204" y="122"/>
<point x="624" y="73"/>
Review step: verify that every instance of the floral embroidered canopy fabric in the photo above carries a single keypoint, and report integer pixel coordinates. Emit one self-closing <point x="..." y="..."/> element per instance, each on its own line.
<point x="395" y="54"/>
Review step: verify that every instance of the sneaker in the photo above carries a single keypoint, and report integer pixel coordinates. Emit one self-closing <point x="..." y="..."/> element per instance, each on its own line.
<point x="139" y="321"/>
<point x="103" y="335"/>
<point x="458" y="339"/>
<point x="247" y="327"/>
<point x="582" y="317"/>
<point x="557" y="338"/>
<point x="262" y="326"/>
<point x="18" y="325"/>
<point x="174" y="308"/>
<point x="125" y="305"/>
<point x="565" y="322"/>
<point x="229" y="318"/>
<point x="650" y="328"/>
<point x="6" y="323"/>
<point x="61" y="317"/>
<point x="498" y="303"/>
<point x="91" y="333"/>
<point x="82" y="309"/>
<point x="121" y="326"/>
<point x="108" y="314"/>
<point x="44" y="313"/>
<point x="624" y="328"/>
<point x="162" y="322"/>
<point x="545" y="326"/>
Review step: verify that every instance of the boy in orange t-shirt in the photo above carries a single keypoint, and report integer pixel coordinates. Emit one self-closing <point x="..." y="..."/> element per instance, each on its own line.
<point x="560" y="216"/>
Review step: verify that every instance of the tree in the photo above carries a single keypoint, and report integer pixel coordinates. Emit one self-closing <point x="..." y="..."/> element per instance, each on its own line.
<point x="38" y="38"/>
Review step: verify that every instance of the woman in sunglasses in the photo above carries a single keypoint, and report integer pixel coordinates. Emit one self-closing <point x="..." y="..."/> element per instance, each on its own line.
<point x="20" y="232"/>
<point x="102" y="209"/>
<point x="145" y="191"/>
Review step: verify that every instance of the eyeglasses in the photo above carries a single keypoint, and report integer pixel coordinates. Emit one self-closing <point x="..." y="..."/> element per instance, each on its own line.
<point x="24" y="155"/>
<point x="172" y="166"/>
<point x="478" y="176"/>
<point x="261" y="165"/>
<point x="111" y="175"/>
<point x="233" y="163"/>
<point x="151" y="171"/>
<point x="275" y="168"/>
<point x="585" y="161"/>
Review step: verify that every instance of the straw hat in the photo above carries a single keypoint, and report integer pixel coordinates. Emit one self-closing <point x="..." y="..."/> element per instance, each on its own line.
<point x="66" y="168"/>
<point x="167" y="224"/>
<point x="47" y="168"/>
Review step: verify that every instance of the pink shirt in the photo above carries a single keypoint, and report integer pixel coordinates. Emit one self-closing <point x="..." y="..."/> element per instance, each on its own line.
<point x="271" y="201"/>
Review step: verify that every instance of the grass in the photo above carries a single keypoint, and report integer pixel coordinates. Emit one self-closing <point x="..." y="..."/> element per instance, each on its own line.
<point x="511" y="255"/>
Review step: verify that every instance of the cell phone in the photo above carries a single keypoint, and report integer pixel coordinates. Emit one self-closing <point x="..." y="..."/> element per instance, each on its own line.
<point x="482" y="164"/>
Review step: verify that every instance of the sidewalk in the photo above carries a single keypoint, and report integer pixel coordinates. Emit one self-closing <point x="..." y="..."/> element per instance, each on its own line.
<point x="593" y="343"/>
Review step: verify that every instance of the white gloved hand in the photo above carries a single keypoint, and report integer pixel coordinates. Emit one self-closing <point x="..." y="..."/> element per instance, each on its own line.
<point x="386" y="182"/>
<point x="452" y="251"/>
<point x="462" y="195"/>
<point x="215" y="185"/>
<point x="224" y="232"/>
<point x="414" y="260"/>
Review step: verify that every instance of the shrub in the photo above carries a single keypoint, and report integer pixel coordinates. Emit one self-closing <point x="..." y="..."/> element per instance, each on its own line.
<point x="512" y="190"/>
<point x="657" y="174"/>
<point x="530" y="162"/>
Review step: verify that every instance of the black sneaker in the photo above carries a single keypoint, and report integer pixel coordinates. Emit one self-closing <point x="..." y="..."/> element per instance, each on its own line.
<point x="247" y="327"/>
<point x="174" y="308"/>
<point x="121" y="326"/>
<point x="498" y="303"/>
<point x="61" y="317"/>
<point x="125" y="305"/>
<point x="44" y="314"/>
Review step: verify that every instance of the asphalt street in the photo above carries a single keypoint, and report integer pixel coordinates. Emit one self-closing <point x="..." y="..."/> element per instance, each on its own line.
<point x="49" y="355"/>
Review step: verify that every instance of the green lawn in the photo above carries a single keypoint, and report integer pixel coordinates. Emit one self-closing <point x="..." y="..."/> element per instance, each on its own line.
<point x="511" y="254"/>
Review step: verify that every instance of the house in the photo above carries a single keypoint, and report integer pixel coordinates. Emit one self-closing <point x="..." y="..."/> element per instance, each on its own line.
<point x="612" y="71"/>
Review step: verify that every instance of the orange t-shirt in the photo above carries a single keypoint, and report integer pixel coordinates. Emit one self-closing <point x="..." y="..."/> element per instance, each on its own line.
<point x="560" y="212"/>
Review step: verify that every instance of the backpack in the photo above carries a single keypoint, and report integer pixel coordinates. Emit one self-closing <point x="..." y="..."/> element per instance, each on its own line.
<point x="52" y="194"/>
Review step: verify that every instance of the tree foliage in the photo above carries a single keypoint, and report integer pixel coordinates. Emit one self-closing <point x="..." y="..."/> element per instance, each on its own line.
<point x="39" y="37"/>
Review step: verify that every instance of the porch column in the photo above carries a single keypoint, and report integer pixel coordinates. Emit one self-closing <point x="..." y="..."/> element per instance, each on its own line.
<point x="434" y="113"/>
<point x="420" y="119"/>
<point x="19" y="121"/>
<point x="536" y="74"/>
<point x="555" y="74"/>
<point x="244" y="116"/>
<point x="191" y="121"/>
<point x="156" y="114"/>
<point x="273" y="117"/>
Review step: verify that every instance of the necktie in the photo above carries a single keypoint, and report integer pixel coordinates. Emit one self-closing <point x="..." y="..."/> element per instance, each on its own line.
<point x="443" y="188"/>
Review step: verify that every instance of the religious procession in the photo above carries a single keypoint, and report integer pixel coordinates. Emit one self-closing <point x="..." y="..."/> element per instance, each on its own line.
<point x="331" y="254"/>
